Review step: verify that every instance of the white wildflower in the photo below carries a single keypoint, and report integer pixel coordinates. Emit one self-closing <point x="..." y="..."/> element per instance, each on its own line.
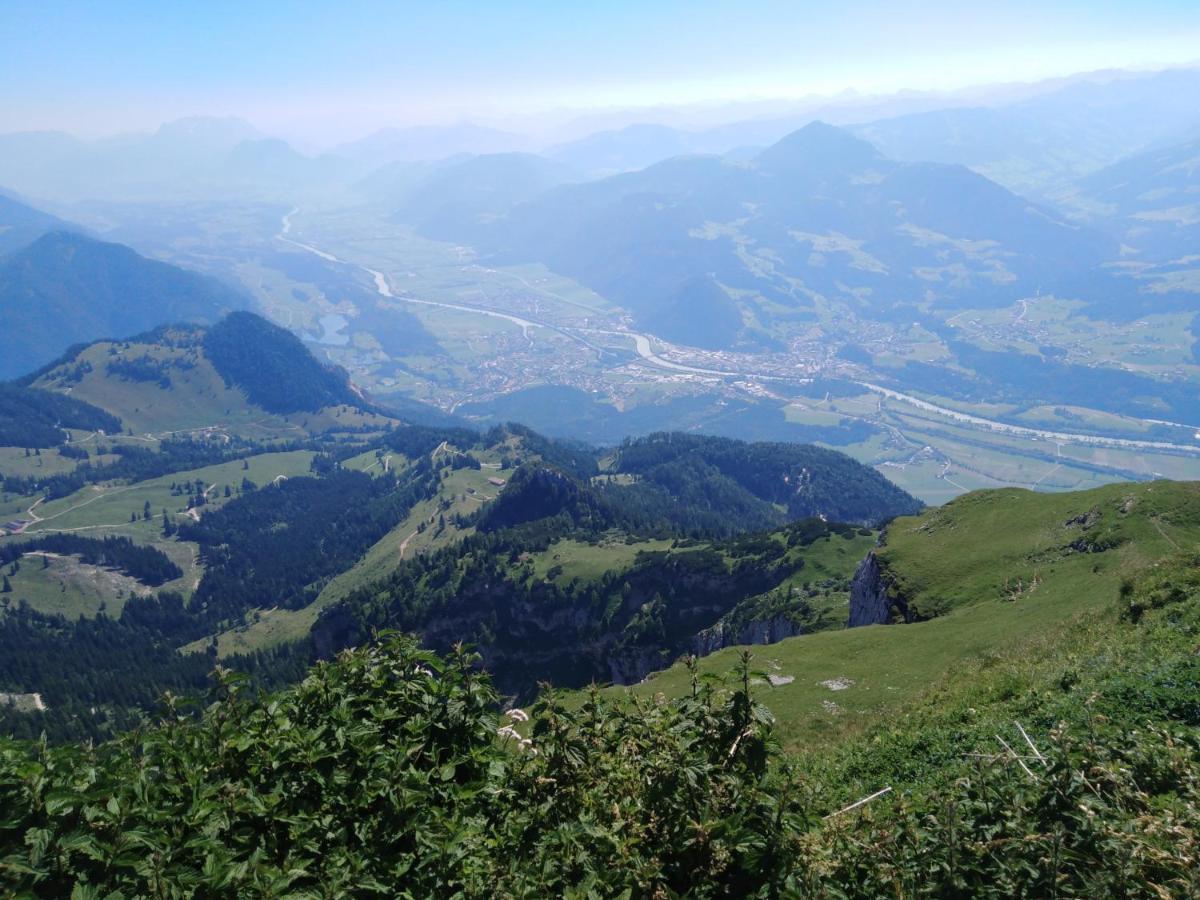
<point x="518" y="715"/>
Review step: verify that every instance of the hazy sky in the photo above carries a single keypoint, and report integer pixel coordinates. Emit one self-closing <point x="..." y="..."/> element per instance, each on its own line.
<point x="327" y="71"/>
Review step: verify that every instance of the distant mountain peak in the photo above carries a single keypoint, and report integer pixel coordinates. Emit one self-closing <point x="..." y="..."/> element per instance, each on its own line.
<point x="820" y="147"/>
<point x="223" y="125"/>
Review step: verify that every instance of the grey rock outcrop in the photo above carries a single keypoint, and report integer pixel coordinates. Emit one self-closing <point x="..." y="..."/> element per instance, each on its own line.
<point x="760" y="631"/>
<point x="872" y="600"/>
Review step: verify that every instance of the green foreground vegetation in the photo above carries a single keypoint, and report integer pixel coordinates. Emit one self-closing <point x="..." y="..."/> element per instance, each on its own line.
<point x="389" y="773"/>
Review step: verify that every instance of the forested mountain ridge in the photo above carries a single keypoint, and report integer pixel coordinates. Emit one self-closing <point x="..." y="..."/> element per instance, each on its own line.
<point x="360" y="499"/>
<point x="31" y="417"/>
<point x="538" y="615"/>
<point x="505" y="587"/>
<point x="803" y="479"/>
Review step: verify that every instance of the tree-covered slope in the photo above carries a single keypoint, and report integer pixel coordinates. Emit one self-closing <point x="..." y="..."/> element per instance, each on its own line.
<point x="637" y="605"/>
<point x="800" y="479"/>
<point x="273" y="367"/>
<point x="30" y="417"/>
<point x="407" y="528"/>
<point x="66" y="289"/>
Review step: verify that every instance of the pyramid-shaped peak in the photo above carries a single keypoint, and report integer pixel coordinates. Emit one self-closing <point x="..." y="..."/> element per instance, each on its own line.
<point x="818" y="146"/>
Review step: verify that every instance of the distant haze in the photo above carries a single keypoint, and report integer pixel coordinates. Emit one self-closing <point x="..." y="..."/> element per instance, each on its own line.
<point x="323" y="76"/>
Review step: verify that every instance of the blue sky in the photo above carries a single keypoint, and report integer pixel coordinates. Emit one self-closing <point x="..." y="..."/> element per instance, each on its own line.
<point x="332" y="70"/>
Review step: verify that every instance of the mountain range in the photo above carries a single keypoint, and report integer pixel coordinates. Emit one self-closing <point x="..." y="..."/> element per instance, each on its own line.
<point x="821" y="212"/>
<point x="1042" y="144"/>
<point x="1035" y="139"/>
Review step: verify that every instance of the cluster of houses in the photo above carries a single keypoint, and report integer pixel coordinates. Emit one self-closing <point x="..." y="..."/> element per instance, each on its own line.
<point x="16" y="526"/>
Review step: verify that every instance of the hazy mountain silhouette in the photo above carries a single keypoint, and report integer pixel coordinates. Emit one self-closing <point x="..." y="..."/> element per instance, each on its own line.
<point x="1152" y="198"/>
<point x="21" y="224"/>
<point x="429" y="142"/>
<point x="820" y="211"/>
<point x="67" y="288"/>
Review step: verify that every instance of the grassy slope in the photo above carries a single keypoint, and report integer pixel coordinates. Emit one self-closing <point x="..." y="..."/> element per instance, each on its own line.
<point x="48" y="462"/>
<point x="588" y="561"/>
<point x="992" y="545"/>
<point x="196" y="400"/>
<point x="100" y="507"/>
<point x="965" y="552"/>
<point x="829" y="563"/>
<point x="70" y="588"/>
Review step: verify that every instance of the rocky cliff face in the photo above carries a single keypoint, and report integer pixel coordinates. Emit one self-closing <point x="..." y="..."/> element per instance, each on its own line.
<point x="873" y="601"/>
<point x="761" y="631"/>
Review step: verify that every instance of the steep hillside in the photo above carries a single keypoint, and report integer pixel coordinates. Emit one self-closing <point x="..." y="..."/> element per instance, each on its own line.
<point x="273" y="367"/>
<point x="791" y="481"/>
<point x="1014" y="545"/>
<point x="1153" y="198"/>
<point x="36" y="418"/>
<point x="455" y="200"/>
<point x="643" y="596"/>
<point x="572" y="603"/>
<point x="65" y="289"/>
<point x="297" y="535"/>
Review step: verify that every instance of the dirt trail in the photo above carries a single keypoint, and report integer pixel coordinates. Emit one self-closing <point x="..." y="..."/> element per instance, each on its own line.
<point x="1166" y="537"/>
<point x="37" y="520"/>
<point x="404" y="543"/>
